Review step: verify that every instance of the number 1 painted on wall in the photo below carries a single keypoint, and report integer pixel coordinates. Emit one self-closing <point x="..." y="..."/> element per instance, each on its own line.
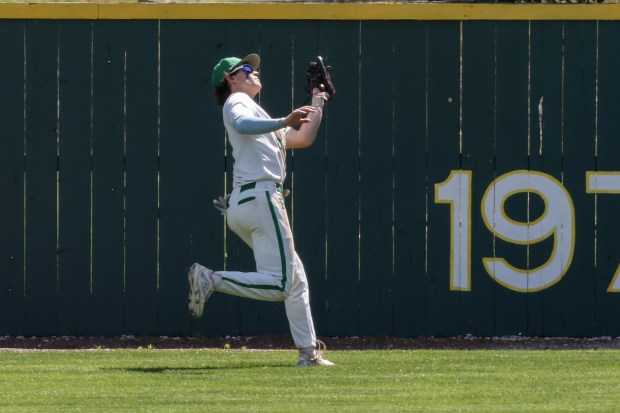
<point x="456" y="191"/>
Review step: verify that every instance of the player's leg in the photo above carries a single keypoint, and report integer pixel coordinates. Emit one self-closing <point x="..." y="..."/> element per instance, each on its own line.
<point x="298" y="309"/>
<point x="300" y="320"/>
<point x="262" y="223"/>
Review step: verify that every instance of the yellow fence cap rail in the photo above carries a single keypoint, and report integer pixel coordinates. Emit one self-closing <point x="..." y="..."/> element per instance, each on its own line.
<point x="309" y="11"/>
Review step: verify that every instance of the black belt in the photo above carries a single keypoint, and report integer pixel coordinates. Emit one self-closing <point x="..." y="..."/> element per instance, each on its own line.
<point x="252" y="185"/>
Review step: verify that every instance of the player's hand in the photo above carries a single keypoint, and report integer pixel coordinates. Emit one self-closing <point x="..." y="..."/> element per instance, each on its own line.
<point x="299" y="116"/>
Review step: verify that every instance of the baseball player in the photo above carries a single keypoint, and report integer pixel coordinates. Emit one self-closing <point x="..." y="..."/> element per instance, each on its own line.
<point x="255" y="208"/>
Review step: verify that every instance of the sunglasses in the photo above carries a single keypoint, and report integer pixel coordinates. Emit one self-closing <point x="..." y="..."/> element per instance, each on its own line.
<point x="246" y="68"/>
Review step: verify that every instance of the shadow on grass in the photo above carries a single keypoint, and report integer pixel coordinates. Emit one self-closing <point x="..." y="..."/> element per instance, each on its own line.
<point x="158" y="370"/>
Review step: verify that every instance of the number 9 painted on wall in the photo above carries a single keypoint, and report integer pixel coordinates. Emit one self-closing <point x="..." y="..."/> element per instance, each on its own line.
<point x="557" y="220"/>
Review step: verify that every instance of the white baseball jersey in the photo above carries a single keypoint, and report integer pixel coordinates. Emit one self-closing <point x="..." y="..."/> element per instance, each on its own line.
<point x="257" y="156"/>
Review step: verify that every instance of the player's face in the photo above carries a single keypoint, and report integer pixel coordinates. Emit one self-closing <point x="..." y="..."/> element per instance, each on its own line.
<point x="247" y="79"/>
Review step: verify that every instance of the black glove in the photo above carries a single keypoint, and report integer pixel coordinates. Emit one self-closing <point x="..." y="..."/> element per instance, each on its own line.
<point x="318" y="77"/>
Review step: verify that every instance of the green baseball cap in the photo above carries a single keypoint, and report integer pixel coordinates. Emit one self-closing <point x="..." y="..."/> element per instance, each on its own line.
<point x="227" y="64"/>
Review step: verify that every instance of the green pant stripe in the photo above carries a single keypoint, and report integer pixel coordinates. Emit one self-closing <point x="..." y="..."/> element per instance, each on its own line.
<point x="256" y="286"/>
<point x="244" y="200"/>
<point x="279" y="235"/>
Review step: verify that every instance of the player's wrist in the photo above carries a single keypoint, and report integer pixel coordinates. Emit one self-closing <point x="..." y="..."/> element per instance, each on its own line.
<point x="282" y="123"/>
<point x="320" y="95"/>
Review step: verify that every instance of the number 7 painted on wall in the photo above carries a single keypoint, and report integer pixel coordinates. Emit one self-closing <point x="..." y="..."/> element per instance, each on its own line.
<point x="598" y="182"/>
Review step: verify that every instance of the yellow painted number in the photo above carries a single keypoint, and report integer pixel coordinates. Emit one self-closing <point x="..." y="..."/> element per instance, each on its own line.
<point x="598" y="182"/>
<point x="456" y="191"/>
<point x="557" y="220"/>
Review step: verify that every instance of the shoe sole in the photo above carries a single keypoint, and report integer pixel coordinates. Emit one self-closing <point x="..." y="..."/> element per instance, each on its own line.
<point x="195" y="301"/>
<point x="314" y="364"/>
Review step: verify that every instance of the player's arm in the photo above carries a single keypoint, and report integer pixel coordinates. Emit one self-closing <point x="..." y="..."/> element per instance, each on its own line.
<point x="306" y="134"/>
<point x="322" y="89"/>
<point x="250" y="125"/>
<point x="244" y="122"/>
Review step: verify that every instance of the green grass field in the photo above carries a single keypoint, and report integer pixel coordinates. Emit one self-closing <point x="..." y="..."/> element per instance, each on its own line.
<point x="150" y="380"/>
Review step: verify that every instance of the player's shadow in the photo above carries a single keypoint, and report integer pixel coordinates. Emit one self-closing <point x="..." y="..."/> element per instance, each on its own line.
<point x="190" y="370"/>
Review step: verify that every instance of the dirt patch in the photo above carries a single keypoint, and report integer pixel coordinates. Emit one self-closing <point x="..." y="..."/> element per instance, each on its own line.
<point x="333" y="343"/>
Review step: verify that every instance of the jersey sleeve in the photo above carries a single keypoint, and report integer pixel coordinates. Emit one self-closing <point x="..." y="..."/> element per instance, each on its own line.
<point x="243" y="120"/>
<point x="249" y="125"/>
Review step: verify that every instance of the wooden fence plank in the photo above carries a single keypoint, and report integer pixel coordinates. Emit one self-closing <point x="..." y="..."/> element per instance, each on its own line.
<point x="41" y="182"/>
<point x="546" y="156"/>
<point x="443" y="156"/>
<point x="108" y="222"/>
<point x="410" y="181"/>
<point x="74" y="167"/>
<point x="177" y="134"/>
<point x="607" y="149"/>
<point x="580" y="46"/>
<point x="342" y="192"/>
<point x="378" y="62"/>
<point x="141" y="179"/>
<point x="545" y="151"/>
<point x="12" y="178"/>
<point x="479" y="50"/>
<point x="512" y="154"/>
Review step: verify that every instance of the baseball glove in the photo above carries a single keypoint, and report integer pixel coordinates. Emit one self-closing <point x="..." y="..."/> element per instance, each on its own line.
<point x="318" y="77"/>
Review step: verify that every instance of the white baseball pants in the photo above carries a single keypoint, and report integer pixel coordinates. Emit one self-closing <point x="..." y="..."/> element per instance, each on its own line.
<point x="257" y="214"/>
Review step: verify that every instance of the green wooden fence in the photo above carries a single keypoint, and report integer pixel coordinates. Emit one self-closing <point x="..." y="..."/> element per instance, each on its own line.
<point x="463" y="181"/>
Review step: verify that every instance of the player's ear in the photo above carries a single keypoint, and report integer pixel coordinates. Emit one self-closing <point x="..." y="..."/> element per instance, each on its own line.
<point x="229" y="79"/>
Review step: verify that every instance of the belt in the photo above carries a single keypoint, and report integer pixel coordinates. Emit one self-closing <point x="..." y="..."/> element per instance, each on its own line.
<point x="252" y="185"/>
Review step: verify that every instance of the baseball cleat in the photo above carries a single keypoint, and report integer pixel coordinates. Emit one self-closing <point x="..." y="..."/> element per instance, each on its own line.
<point x="315" y="358"/>
<point x="201" y="286"/>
